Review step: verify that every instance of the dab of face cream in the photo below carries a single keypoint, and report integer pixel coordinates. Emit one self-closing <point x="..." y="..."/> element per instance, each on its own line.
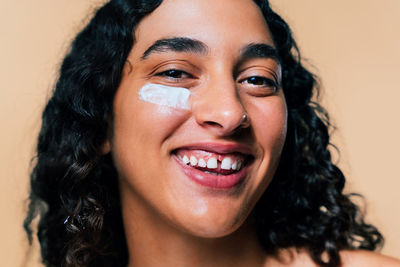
<point x="174" y="97"/>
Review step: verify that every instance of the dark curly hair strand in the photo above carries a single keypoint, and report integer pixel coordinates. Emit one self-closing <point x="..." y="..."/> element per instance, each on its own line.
<point x="75" y="188"/>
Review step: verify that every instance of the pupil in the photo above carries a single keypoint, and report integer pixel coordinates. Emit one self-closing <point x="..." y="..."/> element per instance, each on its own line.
<point x="174" y="73"/>
<point x="256" y="80"/>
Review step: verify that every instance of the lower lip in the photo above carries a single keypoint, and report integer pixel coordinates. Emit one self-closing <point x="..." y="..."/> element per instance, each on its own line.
<point x="212" y="180"/>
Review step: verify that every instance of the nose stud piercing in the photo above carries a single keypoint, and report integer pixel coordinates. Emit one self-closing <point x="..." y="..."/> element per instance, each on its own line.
<point x="244" y="120"/>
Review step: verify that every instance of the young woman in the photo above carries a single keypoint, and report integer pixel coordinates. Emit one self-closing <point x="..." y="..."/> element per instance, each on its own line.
<point x="182" y="133"/>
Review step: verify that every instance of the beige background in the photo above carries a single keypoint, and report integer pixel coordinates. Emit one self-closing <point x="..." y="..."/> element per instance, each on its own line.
<point x="354" y="46"/>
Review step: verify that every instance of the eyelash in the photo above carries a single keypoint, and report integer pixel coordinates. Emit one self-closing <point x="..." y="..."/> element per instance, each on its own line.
<point x="177" y="75"/>
<point x="169" y="74"/>
<point x="266" y="82"/>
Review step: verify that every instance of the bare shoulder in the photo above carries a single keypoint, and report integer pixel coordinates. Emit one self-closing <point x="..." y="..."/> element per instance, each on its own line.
<point x="350" y="258"/>
<point x="291" y="257"/>
<point x="363" y="258"/>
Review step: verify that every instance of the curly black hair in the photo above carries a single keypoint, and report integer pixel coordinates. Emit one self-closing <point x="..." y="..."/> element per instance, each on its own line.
<point x="78" y="201"/>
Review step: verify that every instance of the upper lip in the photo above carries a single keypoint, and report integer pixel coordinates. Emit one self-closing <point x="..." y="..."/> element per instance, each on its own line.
<point x="220" y="148"/>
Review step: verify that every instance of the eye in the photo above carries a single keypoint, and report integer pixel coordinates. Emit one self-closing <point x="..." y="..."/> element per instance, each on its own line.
<point x="174" y="74"/>
<point x="259" y="86"/>
<point x="260" y="81"/>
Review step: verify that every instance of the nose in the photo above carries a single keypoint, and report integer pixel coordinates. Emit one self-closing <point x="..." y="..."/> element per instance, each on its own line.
<point x="218" y="108"/>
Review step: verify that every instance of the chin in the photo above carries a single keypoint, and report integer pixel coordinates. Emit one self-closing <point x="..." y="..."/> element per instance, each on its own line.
<point x="215" y="220"/>
<point x="211" y="230"/>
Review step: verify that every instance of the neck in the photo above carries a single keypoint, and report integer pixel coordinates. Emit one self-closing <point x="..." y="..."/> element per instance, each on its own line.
<point x="153" y="241"/>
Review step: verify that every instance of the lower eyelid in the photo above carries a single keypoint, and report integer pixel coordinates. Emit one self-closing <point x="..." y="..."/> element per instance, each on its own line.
<point x="260" y="90"/>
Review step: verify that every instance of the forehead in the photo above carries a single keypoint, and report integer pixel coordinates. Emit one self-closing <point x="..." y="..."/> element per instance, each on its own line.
<point x="222" y="24"/>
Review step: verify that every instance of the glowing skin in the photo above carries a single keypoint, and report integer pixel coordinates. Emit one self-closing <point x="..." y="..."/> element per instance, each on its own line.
<point x="173" y="97"/>
<point x="176" y="212"/>
<point x="171" y="219"/>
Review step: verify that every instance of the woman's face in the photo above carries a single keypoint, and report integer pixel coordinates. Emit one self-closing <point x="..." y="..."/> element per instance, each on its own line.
<point x="223" y="54"/>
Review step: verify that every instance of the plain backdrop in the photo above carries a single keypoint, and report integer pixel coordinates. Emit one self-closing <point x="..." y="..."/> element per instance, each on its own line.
<point x="353" y="46"/>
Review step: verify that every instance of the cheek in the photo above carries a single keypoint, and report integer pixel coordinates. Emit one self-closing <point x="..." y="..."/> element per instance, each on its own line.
<point x="151" y="122"/>
<point x="270" y="123"/>
<point x="139" y="129"/>
<point x="138" y="119"/>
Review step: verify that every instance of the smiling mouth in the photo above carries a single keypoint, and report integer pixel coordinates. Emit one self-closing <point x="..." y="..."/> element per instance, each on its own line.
<point x="211" y="169"/>
<point x="218" y="164"/>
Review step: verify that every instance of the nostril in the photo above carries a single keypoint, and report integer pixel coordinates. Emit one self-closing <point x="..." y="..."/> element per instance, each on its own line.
<point x="212" y="123"/>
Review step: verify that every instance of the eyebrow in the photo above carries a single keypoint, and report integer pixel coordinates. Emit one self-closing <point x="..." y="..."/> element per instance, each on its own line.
<point x="259" y="50"/>
<point x="185" y="44"/>
<point x="176" y="44"/>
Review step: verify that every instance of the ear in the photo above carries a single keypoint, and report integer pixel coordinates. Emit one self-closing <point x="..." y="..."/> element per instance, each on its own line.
<point x="106" y="147"/>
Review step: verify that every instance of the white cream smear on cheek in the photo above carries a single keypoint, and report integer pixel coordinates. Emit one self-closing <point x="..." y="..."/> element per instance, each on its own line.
<point x="169" y="96"/>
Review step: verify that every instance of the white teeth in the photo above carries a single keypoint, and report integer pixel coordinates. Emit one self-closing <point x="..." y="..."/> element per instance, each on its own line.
<point x="226" y="163"/>
<point x="234" y="165"/>
<point x="212" y="163"/>
<point x="185" y="159"/>
<point x="239" y="166"/>
<point x="193" y="161"/>
<point x="202" y="163"/>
